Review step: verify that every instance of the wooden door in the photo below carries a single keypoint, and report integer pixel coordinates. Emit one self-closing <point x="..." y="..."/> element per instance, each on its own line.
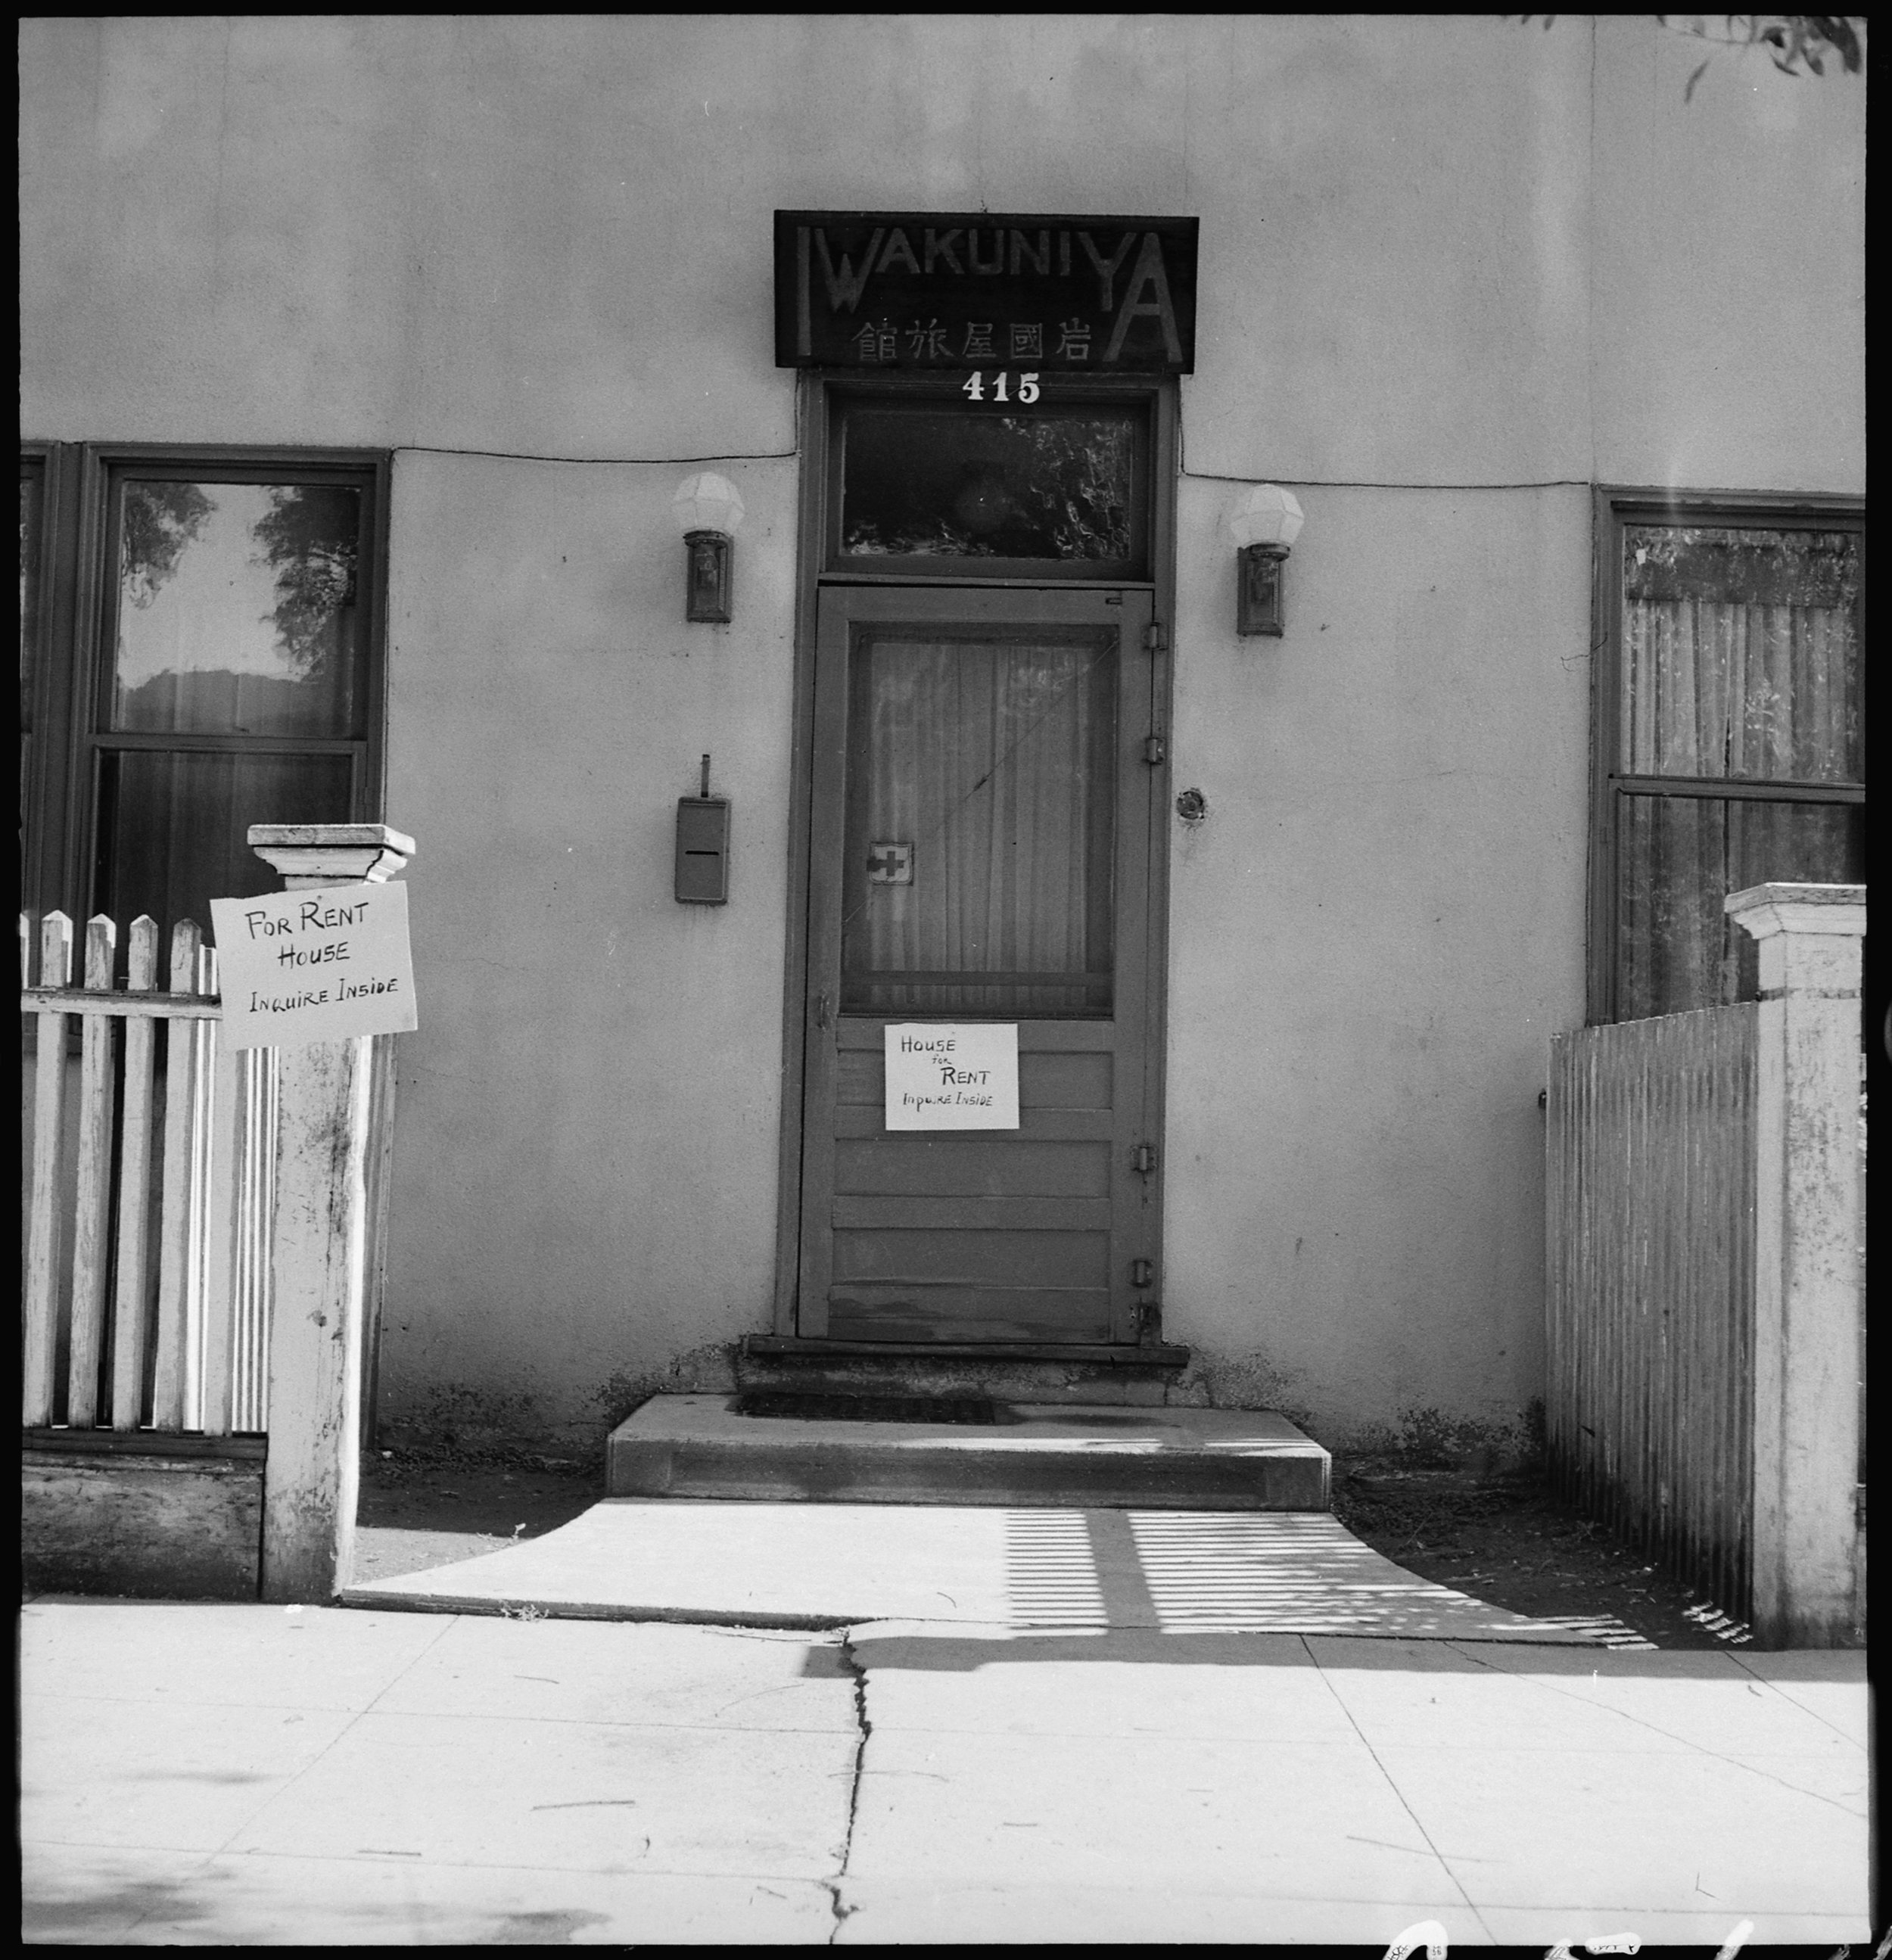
<point x="983" y="816"/>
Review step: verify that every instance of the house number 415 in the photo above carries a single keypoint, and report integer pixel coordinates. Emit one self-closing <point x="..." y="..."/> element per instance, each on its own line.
<point x="973" y="386"/>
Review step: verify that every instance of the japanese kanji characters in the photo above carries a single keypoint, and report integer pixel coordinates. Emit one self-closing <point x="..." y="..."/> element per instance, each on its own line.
<point x="927" y="342"/>
<point x="876" y="343"/>
<point x="881" y="343"/>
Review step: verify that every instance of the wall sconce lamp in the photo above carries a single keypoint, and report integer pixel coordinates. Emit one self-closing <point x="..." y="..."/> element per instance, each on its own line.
<point x="708" y="509"/>
<point x="1264" y="525"/>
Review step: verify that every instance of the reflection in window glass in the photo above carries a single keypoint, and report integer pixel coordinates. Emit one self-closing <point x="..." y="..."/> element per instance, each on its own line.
<point x="937" y="483"/>
<point x="1741" y="653"/>
<point x="237" y="612"/>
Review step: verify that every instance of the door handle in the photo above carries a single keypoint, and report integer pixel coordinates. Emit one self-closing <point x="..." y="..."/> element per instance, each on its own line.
<point x="824" y="1009"/>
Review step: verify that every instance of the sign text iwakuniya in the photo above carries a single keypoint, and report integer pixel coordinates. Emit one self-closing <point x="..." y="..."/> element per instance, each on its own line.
<point x="880" y="290"/>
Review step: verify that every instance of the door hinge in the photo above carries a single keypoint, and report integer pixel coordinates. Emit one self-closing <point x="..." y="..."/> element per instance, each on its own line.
<point x="1143" y="1158"/>
<point x="1155" y="639"/>
<point x="1142" y="1271"/>
<point x="1155" y="749"/>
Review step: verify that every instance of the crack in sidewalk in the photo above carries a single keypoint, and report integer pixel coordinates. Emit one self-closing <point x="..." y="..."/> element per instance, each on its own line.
<point x="864" y="1728"/>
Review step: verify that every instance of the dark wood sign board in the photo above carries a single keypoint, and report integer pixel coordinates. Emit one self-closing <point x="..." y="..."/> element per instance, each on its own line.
<point x="879" y="290"/>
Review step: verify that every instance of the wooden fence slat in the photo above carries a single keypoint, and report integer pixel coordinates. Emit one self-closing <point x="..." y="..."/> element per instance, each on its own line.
<point x="202" y="1085"/>
<point x="222" y="1229"/>
<point x="134" y="1191"/>
<point x="250" y="1227"/>
<point x="182" y="1039"/>
<point x="40" y="1303"/>
<point x="26" y="1142"/>
<point x="91" y="1245"/>
<point x="134" y="1007"/>
<point x="380" y="1177"/>
<point x="256" y="1202"/>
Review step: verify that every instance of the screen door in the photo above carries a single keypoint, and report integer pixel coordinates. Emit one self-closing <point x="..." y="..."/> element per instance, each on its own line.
<point x="982" y="821"/>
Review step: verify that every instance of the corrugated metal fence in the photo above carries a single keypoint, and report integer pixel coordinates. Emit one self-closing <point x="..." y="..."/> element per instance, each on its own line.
<point x="1650" y="1192"/>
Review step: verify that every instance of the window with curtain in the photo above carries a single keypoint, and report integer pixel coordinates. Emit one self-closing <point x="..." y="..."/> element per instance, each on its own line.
<point x="980" y="824"/>
<point x="1730" y="740"/>
<point x="224" y="673"/>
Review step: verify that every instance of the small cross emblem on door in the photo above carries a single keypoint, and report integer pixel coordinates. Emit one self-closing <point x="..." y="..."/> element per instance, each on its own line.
<point x="890" y="863"/>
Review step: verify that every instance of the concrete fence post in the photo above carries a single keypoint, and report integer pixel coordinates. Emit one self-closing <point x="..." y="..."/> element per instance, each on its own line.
<point x="1808" y="1276"/>
<point x="319" y="1251"/>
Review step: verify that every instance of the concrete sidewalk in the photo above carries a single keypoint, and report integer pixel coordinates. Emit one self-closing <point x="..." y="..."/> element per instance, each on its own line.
<point x="251" y="1775"/>
<point x="822" y="1565"/>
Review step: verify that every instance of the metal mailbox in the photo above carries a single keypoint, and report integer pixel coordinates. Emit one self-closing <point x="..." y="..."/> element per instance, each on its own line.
<point x="702" y="851"/>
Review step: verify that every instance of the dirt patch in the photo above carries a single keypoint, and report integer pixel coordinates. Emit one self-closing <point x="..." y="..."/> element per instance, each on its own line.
<point x="423" y="1507"/>
<point x="1510" y="1541"/>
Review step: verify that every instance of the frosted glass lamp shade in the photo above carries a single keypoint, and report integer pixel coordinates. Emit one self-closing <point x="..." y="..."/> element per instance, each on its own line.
<point x="707" y="502"/>
<point x="1266" y="515"/>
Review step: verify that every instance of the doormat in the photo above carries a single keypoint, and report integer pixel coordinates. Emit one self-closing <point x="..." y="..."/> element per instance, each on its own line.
<point x="805" y="1406"/>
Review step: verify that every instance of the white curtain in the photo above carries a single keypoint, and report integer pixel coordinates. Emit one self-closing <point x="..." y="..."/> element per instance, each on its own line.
<point x="992" y="760"/>
<point x="1721" y="690"/>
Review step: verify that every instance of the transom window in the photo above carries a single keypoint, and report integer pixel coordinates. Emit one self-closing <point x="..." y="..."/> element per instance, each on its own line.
<point x="935" y="486"/>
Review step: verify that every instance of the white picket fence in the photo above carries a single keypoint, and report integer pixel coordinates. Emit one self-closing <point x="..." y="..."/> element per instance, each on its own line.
<point x="149" y="1192"/>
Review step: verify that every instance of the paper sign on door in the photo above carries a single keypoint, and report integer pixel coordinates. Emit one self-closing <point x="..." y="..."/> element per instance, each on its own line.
<point x="952" y="1075"/>
<point x="313" y="965"/>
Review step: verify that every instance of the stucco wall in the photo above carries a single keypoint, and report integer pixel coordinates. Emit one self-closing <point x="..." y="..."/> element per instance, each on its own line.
<point x="1453" y="270"/>
<point x="586" y="1140"/>
<point x="1728" y="312"/>
<point x="1373" y="932"/>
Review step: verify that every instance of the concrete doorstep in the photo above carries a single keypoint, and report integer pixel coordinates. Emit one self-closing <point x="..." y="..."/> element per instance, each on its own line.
<point x="703" y="1445"/>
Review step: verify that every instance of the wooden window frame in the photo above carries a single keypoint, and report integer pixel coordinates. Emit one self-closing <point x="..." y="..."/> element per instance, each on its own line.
<point x="77" y="593"/>
<point x="42" y="784"/>
<point x="1614" y="508"/>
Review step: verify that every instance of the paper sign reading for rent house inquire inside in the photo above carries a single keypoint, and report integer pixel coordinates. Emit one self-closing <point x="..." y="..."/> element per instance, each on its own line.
<point x="313" y="965"/>
<point x="952" y="1075"/>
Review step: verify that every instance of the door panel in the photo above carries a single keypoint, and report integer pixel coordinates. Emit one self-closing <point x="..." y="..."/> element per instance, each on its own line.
<point x="988" y="1315"/>
<point x="950" y="1166"/>
<point x="1033" y="1258"/>
<point x="981" y="821"/>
